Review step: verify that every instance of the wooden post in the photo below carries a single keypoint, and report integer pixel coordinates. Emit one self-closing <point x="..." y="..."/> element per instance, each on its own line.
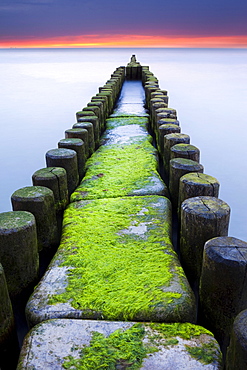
<point x="40" y="202"/>
<point x="8" y="337"/>
<point x="223" y="285"/>
<point x="19" y="251"/>
<point x="79" y="147"/>
<point x="79" y="133"/>
<point x="196" y="184"/>
<point x="169" y="141"/>
<point x="178" y="168"/>
<point x="67" y="159"/>
<point x="95" y="121"/>
<point x="54" y="178"/>
<point x="165" y="130"/>
<point x="89" y="127"/>
<point x="185" y="151"/>
<point x="202" y="218"/>
<point x="237" y="351"/>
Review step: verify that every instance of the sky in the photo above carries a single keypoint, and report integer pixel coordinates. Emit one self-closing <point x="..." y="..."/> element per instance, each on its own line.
<point x="127" y="23"/>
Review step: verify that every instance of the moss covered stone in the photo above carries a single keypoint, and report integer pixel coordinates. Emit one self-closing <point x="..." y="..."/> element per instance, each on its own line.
<point x="115" y="261"/>
<point x="125" y="165"/>
<point x="119" y="345"/>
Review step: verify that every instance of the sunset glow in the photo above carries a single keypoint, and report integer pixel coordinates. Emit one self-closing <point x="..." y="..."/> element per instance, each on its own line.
<point x="125" y="41"/>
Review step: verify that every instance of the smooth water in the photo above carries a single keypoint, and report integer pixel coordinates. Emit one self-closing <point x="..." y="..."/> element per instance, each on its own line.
<point x="41" y="90"/>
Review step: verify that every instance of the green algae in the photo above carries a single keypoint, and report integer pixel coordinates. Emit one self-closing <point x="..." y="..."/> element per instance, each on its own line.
<point x="117" y="170"/>
<point x="126" y="349"/>
<point x="206" y="354"/>
<point x="112" y="123"/>
<point x="182" y="330"/>
<point x="120" y="350"/>
<point x="14" y="221"/>
<point x="113" y="270"/>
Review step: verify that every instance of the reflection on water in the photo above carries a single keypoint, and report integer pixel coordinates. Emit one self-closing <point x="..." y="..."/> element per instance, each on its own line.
<point x="42" y="89"/>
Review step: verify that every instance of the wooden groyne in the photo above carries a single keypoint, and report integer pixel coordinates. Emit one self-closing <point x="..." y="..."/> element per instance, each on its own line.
<point x="129" y="286"/>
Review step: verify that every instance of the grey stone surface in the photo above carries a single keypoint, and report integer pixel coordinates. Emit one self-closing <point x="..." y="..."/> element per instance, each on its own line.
<point x="49" y="344"/>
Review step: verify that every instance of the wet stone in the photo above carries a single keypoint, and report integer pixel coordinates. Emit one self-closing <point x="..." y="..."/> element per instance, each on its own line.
<point x="115" y="286"/>
<point x="131" y="100"/>
<point x="118" y="345"/>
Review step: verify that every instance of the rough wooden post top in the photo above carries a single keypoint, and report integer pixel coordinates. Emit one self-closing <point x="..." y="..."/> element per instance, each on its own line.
<point x="199" y="178"/>
<point x="180" y="163"/>
<point x="206" y="207"/>
<point x="36" y="193"/>
<point x="184" y="147"/>
<point x="227" y="249"/>
<point x="61" y="152"/>
<point x="177" y="136"/>
<point x="14" y="221"/>
<point x="49" y="172"/>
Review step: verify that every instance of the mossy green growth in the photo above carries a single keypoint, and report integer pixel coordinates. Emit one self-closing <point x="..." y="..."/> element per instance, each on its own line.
<point x="120" y="350"/>
<point x="116" y="273"/>
<point x="206" y="353"/>
<point x="182" y="330"/>
<point x="126" y="120"/>
<point x="118" y="170"/>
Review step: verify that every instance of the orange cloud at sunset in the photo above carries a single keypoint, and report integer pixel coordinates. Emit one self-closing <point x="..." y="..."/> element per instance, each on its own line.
<point x="124" y="41"/>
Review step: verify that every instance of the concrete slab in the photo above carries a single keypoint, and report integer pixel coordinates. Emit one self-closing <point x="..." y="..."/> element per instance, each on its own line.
<point x="125" y="164"/>
<point x="85" y="344"/>
<point x="115" y="262"/>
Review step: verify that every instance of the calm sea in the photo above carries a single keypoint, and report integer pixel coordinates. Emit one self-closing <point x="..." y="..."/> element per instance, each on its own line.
<point x="42" y="89"/>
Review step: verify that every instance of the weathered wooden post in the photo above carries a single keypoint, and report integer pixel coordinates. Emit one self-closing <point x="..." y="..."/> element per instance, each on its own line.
<point x="39" y="201"/>
<point x="54" y="178"/>
<point x="79" y="147"/>
<point x="104" y="100"/>
<point x="202" y="218"/>
<point x="195" y="184"/>
<point x="223" y="285"/>
<point x="185" y="151"/>
<point x="19" y="251"/>
<point x="95" y="121"/>
<point x="169" y="141"/>
<point x="67" y="159"/>
<point x="8" y="337"/>
<point x="89" y="127"/>
<point x="178" y="168"/>
<point x="163" y="130"/>
<point x="79" y="133"/>
<point x="237" y="351"/>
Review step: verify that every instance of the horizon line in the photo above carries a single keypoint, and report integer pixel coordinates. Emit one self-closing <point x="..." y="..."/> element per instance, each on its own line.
<point x="128" y="41"/>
